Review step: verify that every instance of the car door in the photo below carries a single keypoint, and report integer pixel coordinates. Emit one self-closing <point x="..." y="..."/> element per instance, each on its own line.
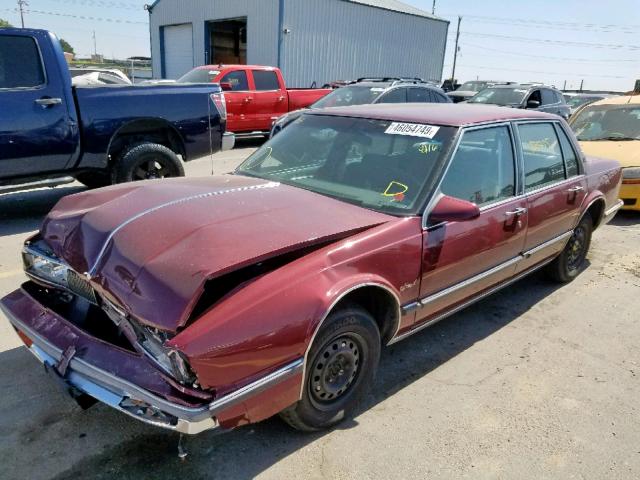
<point x="555" y="187"/>
<point x="269" y="99"/>
<point x="37" y="135"/>
<point x="238" y="100"/>
<point x="463" y="259"/>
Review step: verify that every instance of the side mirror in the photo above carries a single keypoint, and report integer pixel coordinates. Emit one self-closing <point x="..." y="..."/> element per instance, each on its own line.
<point x="226" y="86"/>
<point x="450" y="209"/>
<point x="533" y="104"/>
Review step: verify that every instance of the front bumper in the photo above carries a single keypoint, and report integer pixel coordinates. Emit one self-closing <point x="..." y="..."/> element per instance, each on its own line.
<point x="630" y="195"/>
<point x="122" y="380"/>
<point x="228" y="141"/>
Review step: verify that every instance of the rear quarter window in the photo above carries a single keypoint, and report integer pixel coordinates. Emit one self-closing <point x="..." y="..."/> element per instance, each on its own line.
<point x="20" y="64"/>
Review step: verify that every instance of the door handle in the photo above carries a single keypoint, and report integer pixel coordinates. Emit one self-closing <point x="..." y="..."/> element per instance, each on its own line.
<point x="280" y="98"/>
<point x="516" y="213"/>
<point x="248" y="99"/>
<point x="575" y="189"/>
<point x="48" y="101"/>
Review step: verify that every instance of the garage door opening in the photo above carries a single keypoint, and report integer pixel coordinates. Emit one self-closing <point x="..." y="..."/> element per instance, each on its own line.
<point x="228" y="41"/>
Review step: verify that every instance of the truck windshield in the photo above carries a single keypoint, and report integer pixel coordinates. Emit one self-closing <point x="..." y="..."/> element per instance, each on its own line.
<point x="500" y="96"/>
<point x="377" y="164"/>
<point x="346" y="96"/>
<point x="607" y="122"/>
<point x="199" y="75"/>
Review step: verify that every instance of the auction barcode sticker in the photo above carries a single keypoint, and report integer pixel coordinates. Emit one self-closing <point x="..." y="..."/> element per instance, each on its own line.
<point x="412" y="129"/>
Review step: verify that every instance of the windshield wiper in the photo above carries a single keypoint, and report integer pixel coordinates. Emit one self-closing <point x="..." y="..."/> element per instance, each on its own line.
<point x="612" y="138"/>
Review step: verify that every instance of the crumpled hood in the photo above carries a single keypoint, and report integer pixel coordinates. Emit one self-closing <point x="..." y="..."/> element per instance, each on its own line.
<point x="152" y="245"/>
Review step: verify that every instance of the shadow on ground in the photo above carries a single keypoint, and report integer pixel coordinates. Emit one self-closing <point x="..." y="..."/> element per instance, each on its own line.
<point x="626" y="218"/>
<point x="22" y="212"/>
<point x="147" y="452"/>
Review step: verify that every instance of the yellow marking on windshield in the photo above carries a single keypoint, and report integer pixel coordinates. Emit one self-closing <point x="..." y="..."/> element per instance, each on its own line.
<point x="395" y="188"/>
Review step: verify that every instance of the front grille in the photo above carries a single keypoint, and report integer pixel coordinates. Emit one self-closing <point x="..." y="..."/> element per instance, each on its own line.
<point x="80" y="286"/>
<point x="628" y="202"/>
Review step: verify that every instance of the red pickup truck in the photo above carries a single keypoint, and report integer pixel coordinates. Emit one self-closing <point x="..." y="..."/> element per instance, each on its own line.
<point x="255" y="95"/>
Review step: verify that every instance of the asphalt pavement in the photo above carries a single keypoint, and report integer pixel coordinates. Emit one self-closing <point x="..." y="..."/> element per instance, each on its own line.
<point x="538" y="381"/>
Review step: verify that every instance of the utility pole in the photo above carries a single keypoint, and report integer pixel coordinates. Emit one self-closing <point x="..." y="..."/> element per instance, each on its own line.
<point x="455" y="52"/>
<point x="581" y="84"/>
<point x="433" y="9"/>
<point x="95" y="48"/>
<point x="21" y="5"/>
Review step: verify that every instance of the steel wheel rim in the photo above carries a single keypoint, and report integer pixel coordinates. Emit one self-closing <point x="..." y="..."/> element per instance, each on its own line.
<point x="150" y="169"/>
<point x="335" y="370"/>
<point x="576" y="248"/>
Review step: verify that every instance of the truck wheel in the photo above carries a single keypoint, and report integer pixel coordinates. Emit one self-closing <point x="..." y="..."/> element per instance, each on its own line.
<point x="147" y="161"/>
<point x="341" y="366"/>
<point x="569" y="263"/>
<point x="94" y="179"/>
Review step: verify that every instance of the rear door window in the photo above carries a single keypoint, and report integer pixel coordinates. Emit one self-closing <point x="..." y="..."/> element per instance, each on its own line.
<point x="543" y="163"/>
<point x="397" y="95"/>
<point x="483" y="168"/>
<point x="569" y="154"/>
<point x="548" y="97"/>
<point x="20" y="63"/>
<point x="237" y="79"/>
<point x="266" y="80"/>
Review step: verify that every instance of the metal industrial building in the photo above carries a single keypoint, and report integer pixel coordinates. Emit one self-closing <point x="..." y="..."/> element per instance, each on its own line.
<point x="310" y="40"/>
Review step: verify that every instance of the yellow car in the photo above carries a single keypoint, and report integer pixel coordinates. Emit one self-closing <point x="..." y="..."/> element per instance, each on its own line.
<point x="611" y="128"/>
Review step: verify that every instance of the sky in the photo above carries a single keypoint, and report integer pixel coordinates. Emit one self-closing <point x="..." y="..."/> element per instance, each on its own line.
<point x="551" y="41"/>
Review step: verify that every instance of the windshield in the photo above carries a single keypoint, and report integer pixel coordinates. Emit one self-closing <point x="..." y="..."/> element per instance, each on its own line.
<point x="199" y="75"/>
<point x="500" y="96"/>
<point x="377" y="164"/>
<point x="576" y="101"/>
<point x="472" y="86"/>
<point x="346" y="96"/>
<point x="607" y="122"/>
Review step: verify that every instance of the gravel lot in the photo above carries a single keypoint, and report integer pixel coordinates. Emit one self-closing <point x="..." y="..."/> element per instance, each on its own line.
<point x="538" y="381"/>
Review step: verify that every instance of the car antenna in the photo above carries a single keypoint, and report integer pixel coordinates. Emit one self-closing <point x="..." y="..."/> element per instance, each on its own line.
<point x="182" y="451"/>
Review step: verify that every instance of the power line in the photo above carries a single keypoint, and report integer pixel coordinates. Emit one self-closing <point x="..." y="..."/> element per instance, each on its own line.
<point x="572" y="74"/>
<point x="104" y="4"/>
<point x="544" y="57"/>
<point x="87" y="17"/>
<point x="554" y="42"/>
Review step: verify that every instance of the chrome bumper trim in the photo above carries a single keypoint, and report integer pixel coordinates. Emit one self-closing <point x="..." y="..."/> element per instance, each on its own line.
<point x="609" y="214"/>
<point x="228" y="141"/>
<point x="113" y="390"/>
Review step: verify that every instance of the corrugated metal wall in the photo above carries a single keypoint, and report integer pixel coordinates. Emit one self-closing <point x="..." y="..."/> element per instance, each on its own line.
<point x="262" y="26"/>
<point x="338" y="40"/>
<point x="328" y="39"/>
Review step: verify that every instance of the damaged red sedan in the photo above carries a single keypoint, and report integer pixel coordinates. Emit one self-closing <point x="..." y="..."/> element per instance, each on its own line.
<point x="194" y="304"/>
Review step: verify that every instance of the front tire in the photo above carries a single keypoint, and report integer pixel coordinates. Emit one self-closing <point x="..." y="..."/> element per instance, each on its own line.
<point x="341" y="367"/>
<point x="571" y="260"/>
<point x="147" y="161"/>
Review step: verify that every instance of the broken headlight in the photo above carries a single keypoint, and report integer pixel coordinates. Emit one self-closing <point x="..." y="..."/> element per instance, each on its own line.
<point x="44" y="267"/>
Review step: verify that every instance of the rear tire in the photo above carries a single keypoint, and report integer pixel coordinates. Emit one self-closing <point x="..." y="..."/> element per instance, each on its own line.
<point x="341" y="367"/>
<point x="570" y="262"/>
<point x="147" y="161"/>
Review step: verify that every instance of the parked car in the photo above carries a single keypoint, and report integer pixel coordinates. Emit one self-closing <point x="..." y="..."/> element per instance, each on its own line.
<point x="98" y="78"/>
<point x="99" y="135"/>
<point x="611" y="128"/>
<point x="577" y="100"/>
<point x="105" y="74"/>
<point x="469" y="89"/>
<point x="221" y="301"/>
<point x="530" y="96"/>
<point x="372" y="90"/>
<point x="255" y="95"/>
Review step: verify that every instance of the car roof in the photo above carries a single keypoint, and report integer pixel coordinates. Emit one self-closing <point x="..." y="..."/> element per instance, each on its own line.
<point x="394" y="83"/>
<point x="619" y="100"/>
<point x="523" y="86"/>
<point x="444" y="114"/>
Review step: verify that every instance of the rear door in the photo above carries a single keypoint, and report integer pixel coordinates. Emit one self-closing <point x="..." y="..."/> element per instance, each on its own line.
<point x="269" y="99"/>
<point x="462" y="259"/>
<point x="238" y="100"/>
<point x="555" y="187"/>
<point x="37" y="134"/>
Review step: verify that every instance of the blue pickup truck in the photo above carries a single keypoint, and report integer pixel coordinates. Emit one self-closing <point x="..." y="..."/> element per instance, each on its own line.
<point x="98" y="135"/>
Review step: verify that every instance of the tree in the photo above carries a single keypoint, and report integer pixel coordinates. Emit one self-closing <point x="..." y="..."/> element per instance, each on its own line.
<point x="4" y="23"/>
<point x="66" y="47"/>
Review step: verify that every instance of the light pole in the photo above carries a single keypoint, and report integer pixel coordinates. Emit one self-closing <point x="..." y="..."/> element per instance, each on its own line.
<point x="21" y="5"/>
